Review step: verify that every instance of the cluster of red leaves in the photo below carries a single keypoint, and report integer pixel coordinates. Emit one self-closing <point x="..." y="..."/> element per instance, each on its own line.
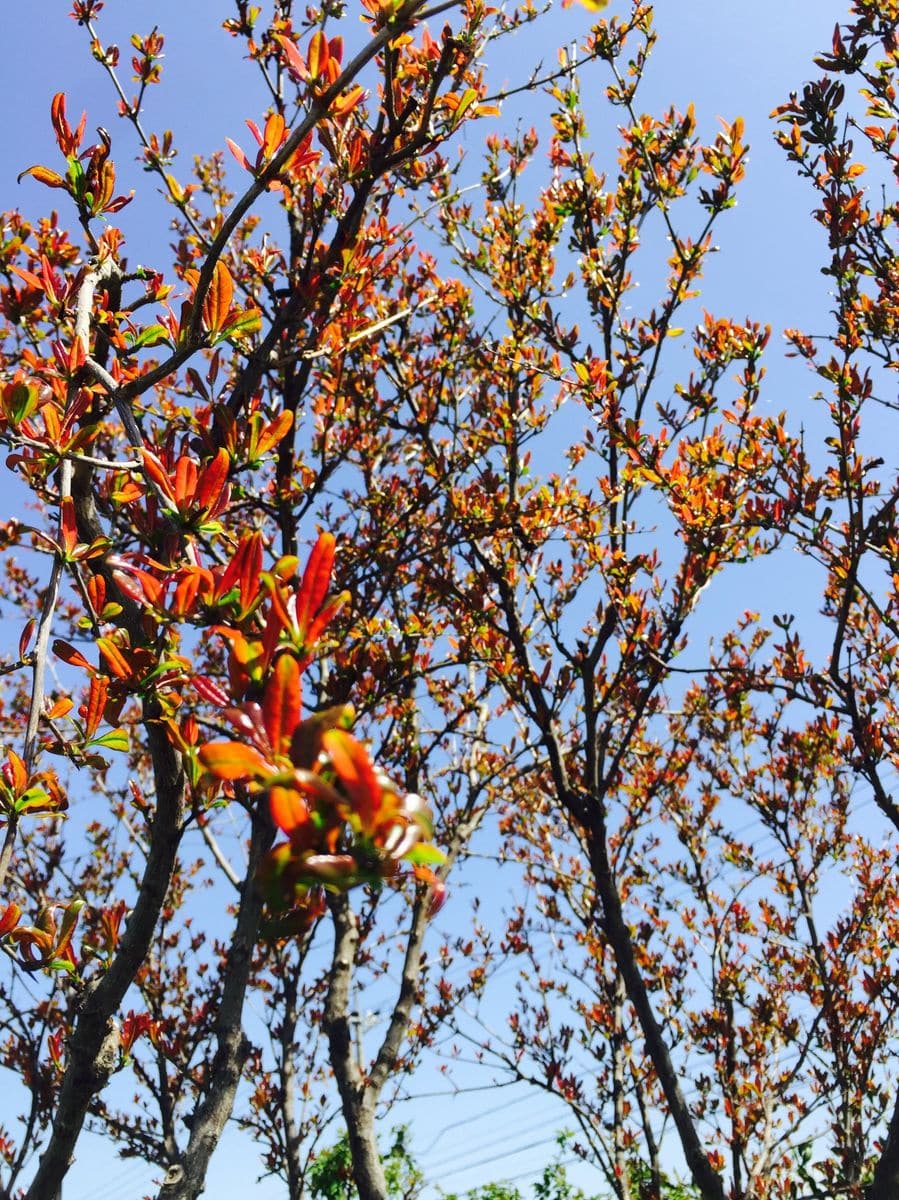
<point x="90" y="173"/>
<point x="345" y="822"/>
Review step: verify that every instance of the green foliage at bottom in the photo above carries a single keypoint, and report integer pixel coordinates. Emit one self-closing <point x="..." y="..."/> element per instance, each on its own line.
<point x="331" y="1175"/>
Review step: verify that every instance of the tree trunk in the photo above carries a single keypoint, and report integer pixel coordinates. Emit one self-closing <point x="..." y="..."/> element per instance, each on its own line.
<point x="186" y="1180"/>
<point x="358" y="1104"/>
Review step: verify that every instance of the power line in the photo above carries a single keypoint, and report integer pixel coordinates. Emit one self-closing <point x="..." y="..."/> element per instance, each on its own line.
<point x="129" y="1180"/>
<point x="487" y="1112"/>
<point x="475" y="1149"/>
<point x="491" y="1158"/>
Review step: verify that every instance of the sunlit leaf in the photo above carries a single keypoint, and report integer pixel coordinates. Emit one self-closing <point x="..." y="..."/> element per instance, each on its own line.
<point x="233" y="760"/>
<point x="218" y="299"/>
<point x="282" y="701"/>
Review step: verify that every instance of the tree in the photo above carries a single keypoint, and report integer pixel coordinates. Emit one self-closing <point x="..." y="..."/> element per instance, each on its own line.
<point x="331" y="1174"/>
<point x="178" y="465"/>
<point x="346" y="543"/>
<point x="693" y="982"/>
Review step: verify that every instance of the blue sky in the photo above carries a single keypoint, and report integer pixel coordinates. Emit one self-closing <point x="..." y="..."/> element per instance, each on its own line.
<point x="726" y="58"/>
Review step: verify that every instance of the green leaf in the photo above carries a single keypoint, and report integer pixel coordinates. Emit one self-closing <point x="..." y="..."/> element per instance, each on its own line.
<point x="425" y="855"/>
<point x="244" y="323"/>
<point x="153" y="335"/>
<point x="115" y="739"/>
<point x="61" y="964"/>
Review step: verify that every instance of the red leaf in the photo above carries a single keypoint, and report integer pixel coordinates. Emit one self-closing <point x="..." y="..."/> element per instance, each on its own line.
<point x="294" y="59"/>
<point x="250" y="570"/>
<point x="332" y="868"/>
<point x="210" y="691"/>
<point x="213" y="481"/>
<point x="357" y="774"/>
<point x="70" y="655"/>
<point x="26" y="636"/>
<point x="324" y="618"/>
<point x="239" y="154"/>
<point x="138" y="585"/>
<point x="316" y="580"/>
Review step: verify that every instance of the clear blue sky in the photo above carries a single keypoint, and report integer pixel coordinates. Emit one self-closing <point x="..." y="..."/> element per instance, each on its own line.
<point x="725" y="57"/>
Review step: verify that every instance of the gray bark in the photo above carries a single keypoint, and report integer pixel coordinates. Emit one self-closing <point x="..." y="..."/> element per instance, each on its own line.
<point x="186" y="1179"/>
<point x="93" y="1048"/>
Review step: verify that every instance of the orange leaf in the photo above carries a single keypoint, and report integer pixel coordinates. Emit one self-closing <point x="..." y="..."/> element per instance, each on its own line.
<point x="281" y="702"/>
<point x="185" y="595"/>
<point x="347" y="102"/>
<point x="289" y="810"/>
<point x="67" y="527"/>
<point x="233" y="760"/>
<point x="156" y="472"/>
<point x="66" y="929"/>
<point x="68" y="140"/>
<point x="279" y="614"/>
<point x="96" y="590"/>
<point x="318" y="56"/>
<point x="30" y="279"/>
<point x="9" y="918"/>
<point x="244" y="570"/>
<point x="217" y="302"/>
<point x="273" y="136"/>
<point x="44" y="175"/>
<point x="186" y="476"/>
<point x="92" y="712"/>
<point x="115" y="660"/>
<point x="16" y="776"/>
<point x="271" y="435"/>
